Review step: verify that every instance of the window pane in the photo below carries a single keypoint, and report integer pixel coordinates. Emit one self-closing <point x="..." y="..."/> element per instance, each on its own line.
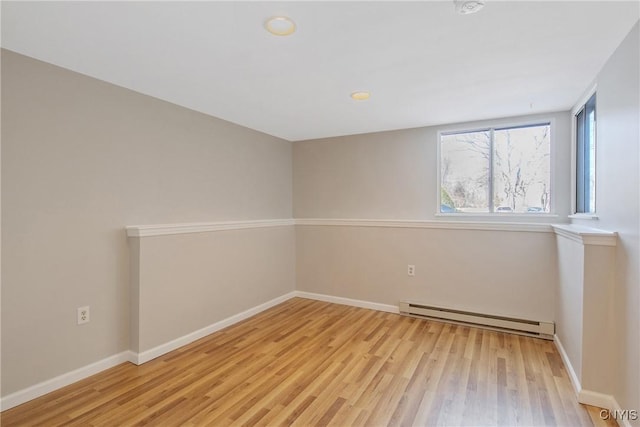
<point x="464" y="172"/>
<point x="582" y="185"/>
<point x="590" y="140"/>
<point x="586" y="157"/>
<point x="521" y="169"/>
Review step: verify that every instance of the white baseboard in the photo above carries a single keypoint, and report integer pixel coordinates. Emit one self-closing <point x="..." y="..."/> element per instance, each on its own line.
<point x="593" y="398"/>
<point x="63" y="380"/>
<point x="607" y="402"/>
<point x="37" y="390"/>
<point x="577" y="387"/>
<point x="584" y="396"/>
<point x="140" y="358"/>
<point x="622" y="422"/>
<point x="348" y="301"/>
<point x="587" y="397"/>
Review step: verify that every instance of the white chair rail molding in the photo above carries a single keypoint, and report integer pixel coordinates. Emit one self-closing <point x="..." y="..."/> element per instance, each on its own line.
<point x="189" y="280"/>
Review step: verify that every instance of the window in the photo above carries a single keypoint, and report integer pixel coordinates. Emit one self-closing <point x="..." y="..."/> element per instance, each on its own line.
<point x="586" y="157"/>
<point x="496" y="170"/>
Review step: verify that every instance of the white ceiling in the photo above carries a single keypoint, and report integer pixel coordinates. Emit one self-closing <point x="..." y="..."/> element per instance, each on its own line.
<point x="423" y="63"/>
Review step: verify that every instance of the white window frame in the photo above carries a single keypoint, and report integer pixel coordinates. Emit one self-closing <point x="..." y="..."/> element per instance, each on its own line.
<point x="574" y="158"/>
<point x="492" y="125"/>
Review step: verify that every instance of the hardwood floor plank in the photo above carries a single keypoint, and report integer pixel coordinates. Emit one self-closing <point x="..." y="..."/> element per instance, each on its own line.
<point x="308" y="362"/>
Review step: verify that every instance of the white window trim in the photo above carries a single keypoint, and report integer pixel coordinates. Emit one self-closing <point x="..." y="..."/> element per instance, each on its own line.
<point x="574" y="148"/>
<point x="496" y="215"/>
<point x="583" y="216"/>
<point x="502" y="124"/>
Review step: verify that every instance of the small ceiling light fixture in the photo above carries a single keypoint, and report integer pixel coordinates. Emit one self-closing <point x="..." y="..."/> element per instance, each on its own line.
<point x="280" y="25"/>
<point x="361" y="95"/>
<point x="466" y="7"/>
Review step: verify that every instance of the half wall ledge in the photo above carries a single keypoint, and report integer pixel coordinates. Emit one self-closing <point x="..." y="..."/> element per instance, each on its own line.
<point x="586" y="235"/>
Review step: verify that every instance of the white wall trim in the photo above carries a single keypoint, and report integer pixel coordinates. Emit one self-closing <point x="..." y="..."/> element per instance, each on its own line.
<point x="40" y="389"/>
<point x="626" y="422"/>
<point x="145" y="356"/>
<point x="167" y="229"/>
<point x="586" y="235"/>
<point x="586" y="397"/>
<point x="575" y="382"/>
<point x="605" y="401"/>
<point x="186" y="228"/>
<point x="593" y="398"/>
<point x="68" y="378"/>
<point x="456" y="225"/>
<point x="37" y="390"/>
<point x="348" y="301"/>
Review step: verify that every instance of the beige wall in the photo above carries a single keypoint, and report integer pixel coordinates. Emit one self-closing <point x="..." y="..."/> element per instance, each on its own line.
<point x="496" y="272"/>
<point x="82" y="159"/>
<point x="618" y="204"/>
<point x="597" y="314"/>
<point x="393" y="175"/>
<point x="204" y="278"/>
<point x="379" y="175"/>
<point x="569" y="297"/>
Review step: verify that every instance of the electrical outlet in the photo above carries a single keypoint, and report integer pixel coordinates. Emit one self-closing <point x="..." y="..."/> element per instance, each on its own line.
<point x="411" y="270"/>
<point x="84" y="315"/>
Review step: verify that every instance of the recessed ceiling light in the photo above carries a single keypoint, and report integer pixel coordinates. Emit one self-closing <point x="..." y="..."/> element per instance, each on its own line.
<point x="280" y="25"/>
<point x="465" y="7"/>
<point x="361" y="95"/>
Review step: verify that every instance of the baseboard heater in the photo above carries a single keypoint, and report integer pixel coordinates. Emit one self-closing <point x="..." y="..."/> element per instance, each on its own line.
<point x="507" y="324"/>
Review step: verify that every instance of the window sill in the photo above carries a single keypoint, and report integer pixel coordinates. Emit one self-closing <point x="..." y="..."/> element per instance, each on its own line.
<point x="495" y="215"/>
<point x="540" y="227"/>
<point x="583" y="216"/>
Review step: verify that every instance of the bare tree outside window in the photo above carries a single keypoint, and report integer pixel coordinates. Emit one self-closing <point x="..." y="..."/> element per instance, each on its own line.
<point x="497" y="170"/>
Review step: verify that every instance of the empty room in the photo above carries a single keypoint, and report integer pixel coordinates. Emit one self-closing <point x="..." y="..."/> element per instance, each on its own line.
<point x="362" y="213"/>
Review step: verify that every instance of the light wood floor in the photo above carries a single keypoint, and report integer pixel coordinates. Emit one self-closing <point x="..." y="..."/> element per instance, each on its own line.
<point x="306" y="362"/>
